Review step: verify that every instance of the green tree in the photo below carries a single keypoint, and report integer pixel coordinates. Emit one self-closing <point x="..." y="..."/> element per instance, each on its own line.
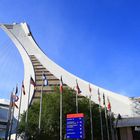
<point x="50" y="116"/>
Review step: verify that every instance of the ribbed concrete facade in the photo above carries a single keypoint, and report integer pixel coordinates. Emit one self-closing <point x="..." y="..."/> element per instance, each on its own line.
<point x="39" y="70"/>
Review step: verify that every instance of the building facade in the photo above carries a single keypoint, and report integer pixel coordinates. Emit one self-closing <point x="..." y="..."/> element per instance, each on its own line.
<point x="4" y="109"/>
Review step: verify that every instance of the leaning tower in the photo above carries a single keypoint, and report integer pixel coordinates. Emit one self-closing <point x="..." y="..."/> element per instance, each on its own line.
<point x="36" y="62"/>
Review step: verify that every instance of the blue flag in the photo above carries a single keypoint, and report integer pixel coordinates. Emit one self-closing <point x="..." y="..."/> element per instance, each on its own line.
<point x="45" y="80"/>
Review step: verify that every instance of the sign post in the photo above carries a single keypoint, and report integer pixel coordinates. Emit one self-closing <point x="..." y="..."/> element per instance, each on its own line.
<point x="75" y="126"/>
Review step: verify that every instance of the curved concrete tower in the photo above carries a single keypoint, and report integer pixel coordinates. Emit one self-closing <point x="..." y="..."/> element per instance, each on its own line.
<point x="35" y="61"/>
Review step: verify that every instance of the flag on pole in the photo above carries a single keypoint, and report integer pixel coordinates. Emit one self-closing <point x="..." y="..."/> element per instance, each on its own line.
<point x="106" y="117"/>
<point x="101" y="122"/>
<point x="15" y="98"/>
<point x="61" y="103"/>
<point x="23" y="88"/>
<point x="16" y="90"/>
<point x="77" y="87"/>
<point x="99" y="99"/>
<point x="90" y="90"/>
<point x="109" y="104"/>
<point x="45" y="79"/>
<point x="44" y="83"/>
<point x="110" y="118"/>
<point x="90" y="105"/>
<point x="103" y="99"/>
<point x="32" y="82"/>
<point x="18" y="117"/>
<point x="61" y="85"/>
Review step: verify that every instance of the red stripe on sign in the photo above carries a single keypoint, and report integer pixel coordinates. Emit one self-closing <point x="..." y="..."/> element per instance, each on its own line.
<point x="78" y="115"/>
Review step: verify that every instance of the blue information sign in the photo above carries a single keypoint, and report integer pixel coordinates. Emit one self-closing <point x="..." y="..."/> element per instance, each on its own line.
<point x="75" y="126"/>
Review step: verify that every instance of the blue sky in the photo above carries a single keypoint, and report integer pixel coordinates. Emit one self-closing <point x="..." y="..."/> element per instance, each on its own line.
<point x="97" y="40"/>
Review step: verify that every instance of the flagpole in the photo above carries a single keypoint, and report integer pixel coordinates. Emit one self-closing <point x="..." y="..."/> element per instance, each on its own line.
<point x="110" y="119"/>
<point x="26" y="117"/>
<point x="19" y="114"/>
<point x="101" y="122"/>
<point x="117" y="119"/>
<point x="60" y="116"/>
<point x="91" y="120"/>
<point x="112" y="132"/>
<point x="106" y="118"/>
<point x="76" y="103"/>
<point x="102" y="135"/>
<point x="9" y="117"/>
<point x="78" y="91"/>
<point x="91" y="127"/>
<point x="12" y="117"/>
<point x="40" y="112"/>
<point x="61" y="92"/>
<point x="76" y="97"/>
<point x="14" y="99"/>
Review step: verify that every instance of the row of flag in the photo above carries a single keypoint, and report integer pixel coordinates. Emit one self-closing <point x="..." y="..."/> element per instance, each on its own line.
<point x="90" y="90"/>
<point x="15" y="97"/>
<point x="99" y="99"/>
<point x="45" y="81"/>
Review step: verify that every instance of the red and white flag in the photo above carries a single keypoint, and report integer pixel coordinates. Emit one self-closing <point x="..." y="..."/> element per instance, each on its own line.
<point x="15" y="98"/>
<point x="77" y="87"/>
<point x="109" y="104"/>
<point x="61" y="85"/>
<point x="90" y="90"/>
